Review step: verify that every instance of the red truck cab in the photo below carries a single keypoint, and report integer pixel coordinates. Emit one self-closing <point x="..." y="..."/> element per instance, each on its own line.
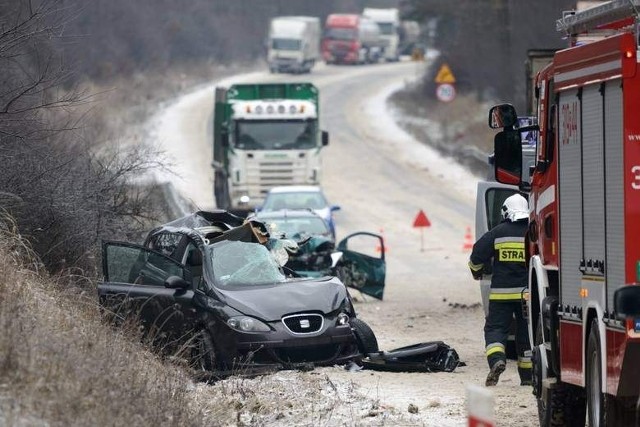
<point x="351" y="39"/>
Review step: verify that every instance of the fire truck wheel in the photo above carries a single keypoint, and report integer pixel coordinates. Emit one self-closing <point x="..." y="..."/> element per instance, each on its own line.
<point x="564" y="406"/>
<point x="595" y="398"/>
<point x="561" y="405"/>
<point x="603" y="409"/>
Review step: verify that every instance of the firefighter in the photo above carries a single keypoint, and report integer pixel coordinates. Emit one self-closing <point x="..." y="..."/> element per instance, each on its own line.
<point x="505" y="244"/>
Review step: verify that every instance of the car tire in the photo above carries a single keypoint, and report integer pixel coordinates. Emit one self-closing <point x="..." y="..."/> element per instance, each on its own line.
<point x="365" y="338"/>
<point x="204" y="356"/>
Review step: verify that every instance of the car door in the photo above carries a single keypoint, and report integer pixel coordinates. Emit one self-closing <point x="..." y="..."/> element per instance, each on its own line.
<point x="362" y="265"/>
<point x="490" y="196"/>
<point x="134" y="285"/>
<point x="489" y="199"/>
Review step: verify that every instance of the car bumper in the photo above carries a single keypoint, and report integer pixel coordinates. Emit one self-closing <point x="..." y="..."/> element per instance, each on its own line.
<point x="283" y="349"/>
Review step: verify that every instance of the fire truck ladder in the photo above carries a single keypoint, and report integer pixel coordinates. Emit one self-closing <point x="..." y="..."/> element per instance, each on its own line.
<point x="594" y="18"/>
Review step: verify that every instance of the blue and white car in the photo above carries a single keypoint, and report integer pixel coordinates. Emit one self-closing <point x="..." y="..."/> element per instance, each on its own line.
<point x="301" y="197"/>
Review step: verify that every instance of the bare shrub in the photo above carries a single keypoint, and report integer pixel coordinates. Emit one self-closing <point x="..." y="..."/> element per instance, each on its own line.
<point x="64" y="194"/>
<point x="59" y="365"/>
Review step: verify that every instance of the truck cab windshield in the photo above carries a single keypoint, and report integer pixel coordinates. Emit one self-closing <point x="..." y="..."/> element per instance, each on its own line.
<point x="386" y="28"/>
<point x="275" y="134"/>
<point x="285" y="44"/>
<point x="340" y="33"/>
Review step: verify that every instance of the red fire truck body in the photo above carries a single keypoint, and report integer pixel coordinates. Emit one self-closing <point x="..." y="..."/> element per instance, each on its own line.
<point x="588" y="200"/>
<point x="584" y="233"/>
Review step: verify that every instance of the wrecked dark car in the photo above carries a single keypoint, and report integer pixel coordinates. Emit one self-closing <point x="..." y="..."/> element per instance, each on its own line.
<point x="358" y="259"/>
<point x="209" y="283"/>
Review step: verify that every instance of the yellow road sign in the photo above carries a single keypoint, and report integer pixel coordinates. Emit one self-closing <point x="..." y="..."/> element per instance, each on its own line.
<point x="445" y="75"/>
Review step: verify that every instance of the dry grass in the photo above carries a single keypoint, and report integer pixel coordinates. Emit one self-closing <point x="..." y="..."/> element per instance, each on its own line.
<point x="292" y="398"/>
<point x="59" y="365"/>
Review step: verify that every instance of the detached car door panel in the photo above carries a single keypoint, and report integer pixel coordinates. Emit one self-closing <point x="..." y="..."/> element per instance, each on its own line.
<point x="362" y="265"/>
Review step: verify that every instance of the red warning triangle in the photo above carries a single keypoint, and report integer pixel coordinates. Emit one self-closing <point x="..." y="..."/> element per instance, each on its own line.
<point x="421" y="220"/>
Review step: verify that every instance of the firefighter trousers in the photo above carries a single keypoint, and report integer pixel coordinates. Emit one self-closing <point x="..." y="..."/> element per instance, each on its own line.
<point x="496" y="332"/>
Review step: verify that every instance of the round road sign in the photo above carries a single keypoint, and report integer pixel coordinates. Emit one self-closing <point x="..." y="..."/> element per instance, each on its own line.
<point x="446" y="92"/>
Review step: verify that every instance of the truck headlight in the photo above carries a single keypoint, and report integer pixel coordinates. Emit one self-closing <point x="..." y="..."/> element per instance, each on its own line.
<point x="247" y="324"/>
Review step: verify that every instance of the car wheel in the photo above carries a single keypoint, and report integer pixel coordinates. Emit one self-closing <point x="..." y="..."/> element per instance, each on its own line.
<point x="204" y="355"/>
<point x="365" y="338"/>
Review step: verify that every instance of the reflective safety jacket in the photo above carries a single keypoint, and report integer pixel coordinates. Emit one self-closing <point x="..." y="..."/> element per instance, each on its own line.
<point x="505" y="244"/>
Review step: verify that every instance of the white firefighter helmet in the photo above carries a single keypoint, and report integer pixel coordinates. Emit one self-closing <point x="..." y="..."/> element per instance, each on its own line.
<point x="515" y="208"/>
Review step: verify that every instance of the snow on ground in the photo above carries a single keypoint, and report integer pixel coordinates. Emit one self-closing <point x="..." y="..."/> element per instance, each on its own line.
<point x="412" y="151"/>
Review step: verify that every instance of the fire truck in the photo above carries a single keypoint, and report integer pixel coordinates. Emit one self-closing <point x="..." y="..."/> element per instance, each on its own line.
<point x="583" y="247"/>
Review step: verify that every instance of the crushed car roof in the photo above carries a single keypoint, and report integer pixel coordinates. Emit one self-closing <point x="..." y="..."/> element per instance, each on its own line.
<point x="206" y="218"/>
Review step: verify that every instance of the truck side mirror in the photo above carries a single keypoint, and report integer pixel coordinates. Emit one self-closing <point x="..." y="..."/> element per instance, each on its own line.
<point x="325" y="138"/>
<point x="502" y="116"/>
<point x="626" y="302"/>
<point x="508" y="157"/>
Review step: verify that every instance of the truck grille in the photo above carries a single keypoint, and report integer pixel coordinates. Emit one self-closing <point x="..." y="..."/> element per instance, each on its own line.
<point x="303" y="323"/>
<point x="271" y="174"/>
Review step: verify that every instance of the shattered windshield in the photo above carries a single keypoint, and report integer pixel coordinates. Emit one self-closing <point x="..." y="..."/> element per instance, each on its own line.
<point x="243" y="264"/>
<point x="276" y="134"/>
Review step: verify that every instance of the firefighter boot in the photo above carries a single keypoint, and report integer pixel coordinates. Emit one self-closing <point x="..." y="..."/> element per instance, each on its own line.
<point x="494" y="374"/>
<point x="525" y="376"/>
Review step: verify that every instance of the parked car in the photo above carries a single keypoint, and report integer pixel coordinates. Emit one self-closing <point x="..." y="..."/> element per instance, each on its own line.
<point x="295" y="224"/>
<point x="206" y="284"/>
<point x="301" y="197"/>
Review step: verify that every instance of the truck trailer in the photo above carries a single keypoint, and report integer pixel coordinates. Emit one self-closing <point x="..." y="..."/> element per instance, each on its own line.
<point x="294" y="44"/>
<point x="583" y="249"/>
<point x="264" y="135"/>
<point x="388" y="21"/>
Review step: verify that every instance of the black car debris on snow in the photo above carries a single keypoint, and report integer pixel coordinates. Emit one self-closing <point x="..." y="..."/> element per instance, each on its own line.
<point x="208" y="283"/>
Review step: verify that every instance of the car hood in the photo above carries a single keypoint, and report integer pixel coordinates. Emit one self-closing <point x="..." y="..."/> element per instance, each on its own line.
<point x="270" y="303"/>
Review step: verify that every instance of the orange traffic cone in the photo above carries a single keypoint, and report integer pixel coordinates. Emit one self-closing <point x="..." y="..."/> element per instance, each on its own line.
<point x="468" y="240"/>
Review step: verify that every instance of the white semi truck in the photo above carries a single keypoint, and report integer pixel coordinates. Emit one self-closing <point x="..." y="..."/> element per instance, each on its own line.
<point x="294" y="44"/>
<point x="389" y="22"/>
<point x="264" y="135"/>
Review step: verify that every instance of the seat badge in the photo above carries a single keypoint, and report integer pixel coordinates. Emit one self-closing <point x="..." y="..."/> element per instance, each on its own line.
<point x="305" y="324"/>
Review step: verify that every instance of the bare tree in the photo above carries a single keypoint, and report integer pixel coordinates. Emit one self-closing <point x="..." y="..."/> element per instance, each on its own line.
<point x="64" y="194"/>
